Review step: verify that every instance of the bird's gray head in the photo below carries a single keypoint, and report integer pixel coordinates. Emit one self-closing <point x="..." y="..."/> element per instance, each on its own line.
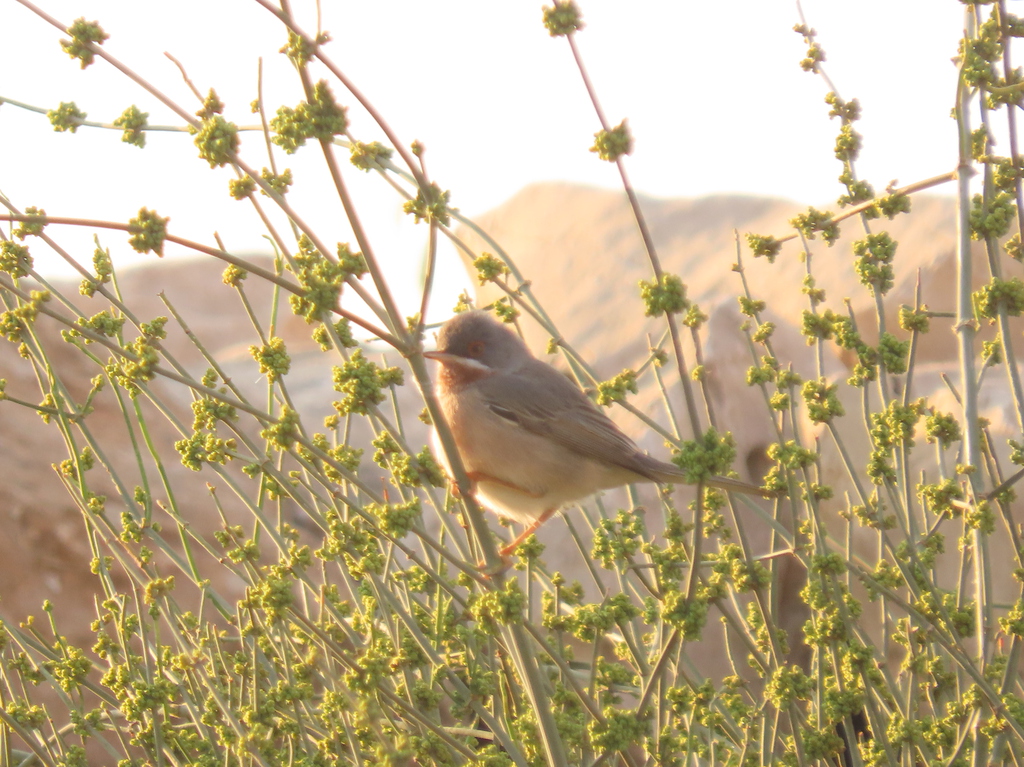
<point x="477" y="341"/>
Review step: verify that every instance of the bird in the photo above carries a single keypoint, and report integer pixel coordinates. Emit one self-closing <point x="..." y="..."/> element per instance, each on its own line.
<point x="530" y="440"/>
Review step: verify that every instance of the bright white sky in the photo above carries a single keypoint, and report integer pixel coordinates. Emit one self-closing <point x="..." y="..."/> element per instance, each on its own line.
<point x="714" y="95"/>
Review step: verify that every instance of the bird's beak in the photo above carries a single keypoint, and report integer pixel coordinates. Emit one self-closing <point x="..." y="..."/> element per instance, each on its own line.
<point x="458" y="362"/>
<point x="439" y="356"/>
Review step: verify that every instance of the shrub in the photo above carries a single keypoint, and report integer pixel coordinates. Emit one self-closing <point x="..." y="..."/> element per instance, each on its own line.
<point x="307" y="613"/>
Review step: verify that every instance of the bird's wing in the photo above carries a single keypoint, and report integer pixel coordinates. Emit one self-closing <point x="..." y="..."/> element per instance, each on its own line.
<point x="544" y="402"/>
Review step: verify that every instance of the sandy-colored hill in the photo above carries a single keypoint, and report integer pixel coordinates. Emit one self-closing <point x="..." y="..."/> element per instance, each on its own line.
<point x="583" y="254"/>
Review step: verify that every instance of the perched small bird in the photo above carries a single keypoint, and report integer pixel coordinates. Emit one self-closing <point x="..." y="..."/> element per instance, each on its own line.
<point x="529" y="439"/>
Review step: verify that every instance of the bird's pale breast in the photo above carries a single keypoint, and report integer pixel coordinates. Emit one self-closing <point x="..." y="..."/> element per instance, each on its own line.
<point x="531" y="473"/>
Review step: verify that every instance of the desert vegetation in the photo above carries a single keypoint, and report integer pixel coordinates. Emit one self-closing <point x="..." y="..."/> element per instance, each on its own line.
<point x="261" y="563"/>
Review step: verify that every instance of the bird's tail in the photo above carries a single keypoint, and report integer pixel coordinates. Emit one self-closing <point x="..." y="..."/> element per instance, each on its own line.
<point x="739" y="486"/>
<point x="659" y="471"/>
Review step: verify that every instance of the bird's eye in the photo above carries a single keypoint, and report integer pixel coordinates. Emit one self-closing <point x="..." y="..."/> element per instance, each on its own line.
<point x="475" y="348"/>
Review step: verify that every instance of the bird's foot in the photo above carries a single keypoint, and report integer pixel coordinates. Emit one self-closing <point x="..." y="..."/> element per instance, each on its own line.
<point x="490" y="570"/>
<point x="506" y="554"/>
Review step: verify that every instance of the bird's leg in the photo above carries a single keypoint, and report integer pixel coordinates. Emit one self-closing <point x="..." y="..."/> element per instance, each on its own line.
<point x="476" y="477"/>
<point x="530" y="529"/>
<point x="506" y="551"/>
<point x="454" y="486"/>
